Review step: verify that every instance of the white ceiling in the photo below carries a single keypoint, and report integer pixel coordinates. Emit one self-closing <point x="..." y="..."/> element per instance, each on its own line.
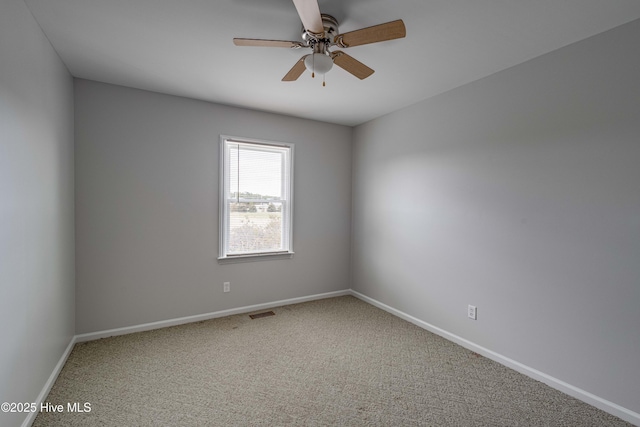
<point x="184" y="47"/>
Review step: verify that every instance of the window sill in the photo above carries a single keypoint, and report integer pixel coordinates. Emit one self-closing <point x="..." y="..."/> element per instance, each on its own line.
<point x="255" y="257"/>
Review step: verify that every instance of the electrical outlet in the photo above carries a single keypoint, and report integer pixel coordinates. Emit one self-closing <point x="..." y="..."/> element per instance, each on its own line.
<point x="226" y="287"/>
<point x="472" y="312"/>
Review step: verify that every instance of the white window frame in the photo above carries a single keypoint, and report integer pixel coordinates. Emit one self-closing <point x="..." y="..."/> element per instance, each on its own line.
<point x="224" y="197"/>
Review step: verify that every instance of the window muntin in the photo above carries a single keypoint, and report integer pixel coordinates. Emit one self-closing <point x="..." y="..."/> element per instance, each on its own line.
<point x="256" y="198"/>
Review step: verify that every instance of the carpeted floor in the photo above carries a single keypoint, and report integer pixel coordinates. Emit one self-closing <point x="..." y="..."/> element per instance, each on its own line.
<point x="333" y="362"/>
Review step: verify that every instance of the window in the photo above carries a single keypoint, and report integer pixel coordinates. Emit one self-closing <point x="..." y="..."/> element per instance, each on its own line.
<point x="256" y="192"/>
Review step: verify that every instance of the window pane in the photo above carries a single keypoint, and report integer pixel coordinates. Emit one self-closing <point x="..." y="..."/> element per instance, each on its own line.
<point x="260" y="174"/>
<point x="253" y="228"/>
<point x="256" y="198"/>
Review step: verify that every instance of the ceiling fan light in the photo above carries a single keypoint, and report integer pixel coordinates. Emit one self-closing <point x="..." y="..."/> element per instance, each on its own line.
<point x="318" y="63"/>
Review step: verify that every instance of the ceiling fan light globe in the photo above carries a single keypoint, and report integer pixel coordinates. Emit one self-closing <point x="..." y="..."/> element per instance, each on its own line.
<point x="318" y="63"/>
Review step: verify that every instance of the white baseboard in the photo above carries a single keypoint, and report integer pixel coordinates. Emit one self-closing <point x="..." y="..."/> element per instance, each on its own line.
<point x="52" y="379"/>
<point x="585" y="396"/>
<point x="206" y="316"/>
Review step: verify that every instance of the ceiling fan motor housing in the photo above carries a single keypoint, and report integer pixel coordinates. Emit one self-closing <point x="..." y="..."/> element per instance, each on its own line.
<point x="330" y="30"/>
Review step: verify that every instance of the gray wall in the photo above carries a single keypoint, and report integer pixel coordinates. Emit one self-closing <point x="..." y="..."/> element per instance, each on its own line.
<point x="36" y="208"/>
<point x="147" y="208"/>
<point x="518" y="193"/>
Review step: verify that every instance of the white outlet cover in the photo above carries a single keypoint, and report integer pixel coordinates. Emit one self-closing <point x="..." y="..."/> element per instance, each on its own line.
<point x="472" y="312"/>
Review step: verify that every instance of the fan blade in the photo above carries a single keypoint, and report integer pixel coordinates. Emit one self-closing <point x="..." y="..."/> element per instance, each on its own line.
<point x="296" y="71"/>
<point x="350" y="64"/>
<point x="309" y="12"/>
<point x="377" y="33"/>
<point x="266" y="43"/>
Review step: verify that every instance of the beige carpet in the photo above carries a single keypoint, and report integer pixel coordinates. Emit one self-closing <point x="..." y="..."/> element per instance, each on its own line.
<point x="338" y="361"/>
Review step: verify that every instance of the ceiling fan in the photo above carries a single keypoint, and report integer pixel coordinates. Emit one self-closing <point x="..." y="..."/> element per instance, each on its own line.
<point x="320" y="33"/>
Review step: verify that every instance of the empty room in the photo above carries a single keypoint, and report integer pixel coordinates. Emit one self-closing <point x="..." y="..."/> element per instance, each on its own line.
<point x="319" y="212"/>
